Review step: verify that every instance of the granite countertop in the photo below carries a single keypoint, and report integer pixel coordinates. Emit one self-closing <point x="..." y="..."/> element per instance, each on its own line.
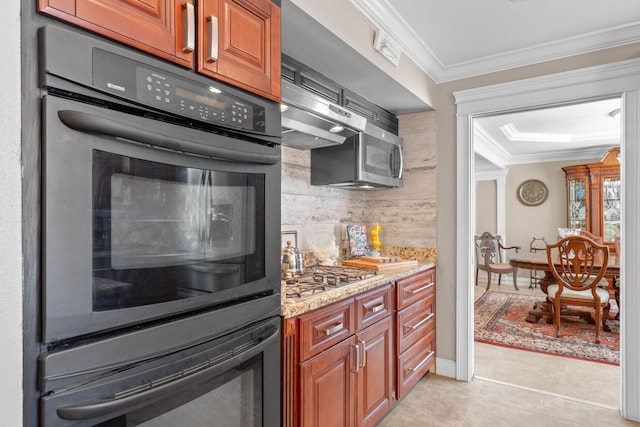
<point x="291" y="307"/>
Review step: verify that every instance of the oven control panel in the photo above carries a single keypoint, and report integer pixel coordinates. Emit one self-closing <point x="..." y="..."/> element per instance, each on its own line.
<point x="209" y="102"/>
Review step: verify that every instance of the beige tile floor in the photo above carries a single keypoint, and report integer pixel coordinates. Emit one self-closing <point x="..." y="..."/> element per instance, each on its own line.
<point x="515" y="388"/>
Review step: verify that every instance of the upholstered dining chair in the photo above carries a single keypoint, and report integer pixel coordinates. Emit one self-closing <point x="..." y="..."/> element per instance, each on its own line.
<point x="489" y="258"/>
<point x="578" y="264"/>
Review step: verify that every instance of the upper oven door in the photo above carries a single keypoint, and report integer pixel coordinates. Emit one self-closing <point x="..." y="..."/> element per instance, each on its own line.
<point x="133" y="231"/>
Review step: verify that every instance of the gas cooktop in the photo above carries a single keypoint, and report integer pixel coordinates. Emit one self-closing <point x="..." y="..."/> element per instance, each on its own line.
<point x="322" y="278"/>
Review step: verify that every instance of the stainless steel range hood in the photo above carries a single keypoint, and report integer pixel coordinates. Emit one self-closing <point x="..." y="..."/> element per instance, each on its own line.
<point x="310" y="121"/>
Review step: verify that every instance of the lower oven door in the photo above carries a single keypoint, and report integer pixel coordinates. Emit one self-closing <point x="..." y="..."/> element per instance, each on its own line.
<point x="233" y="381"/>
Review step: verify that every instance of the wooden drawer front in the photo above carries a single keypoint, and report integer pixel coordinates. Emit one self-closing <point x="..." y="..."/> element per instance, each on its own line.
<point x="373" y="306"/>
<point x="416" y="287"/>
<point x="415" y="321"/>
<point x="415" y="362"/>
<point x="324" y="327"/>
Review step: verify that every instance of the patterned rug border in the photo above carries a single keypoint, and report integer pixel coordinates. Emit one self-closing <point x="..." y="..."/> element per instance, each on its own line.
<point x="492" y="328"/>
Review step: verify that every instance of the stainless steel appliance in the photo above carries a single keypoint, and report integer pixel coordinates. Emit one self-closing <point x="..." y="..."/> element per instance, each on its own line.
<point x="160" y="196"/>
<point x="160" y="241"/>
<point x="311" y="121"/>
<point x="319" y="279"/>
<point x="367" y="160"/>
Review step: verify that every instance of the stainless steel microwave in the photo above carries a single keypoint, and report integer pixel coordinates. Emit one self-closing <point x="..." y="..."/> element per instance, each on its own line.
<point x="368" y="160"/>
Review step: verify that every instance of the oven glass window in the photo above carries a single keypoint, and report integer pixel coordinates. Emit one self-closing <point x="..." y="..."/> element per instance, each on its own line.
<point x="235" y="400"/>
<point x="164" y="232"/>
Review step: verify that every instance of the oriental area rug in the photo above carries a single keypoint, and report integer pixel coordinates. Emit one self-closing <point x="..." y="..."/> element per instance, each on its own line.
<point x="500" y="320"/>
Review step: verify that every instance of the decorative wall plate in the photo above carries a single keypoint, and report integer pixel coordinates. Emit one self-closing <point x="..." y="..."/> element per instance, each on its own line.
<point x="532" y="192"/>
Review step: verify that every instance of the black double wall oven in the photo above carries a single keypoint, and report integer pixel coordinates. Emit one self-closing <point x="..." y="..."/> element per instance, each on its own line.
<point x="160" y="239"/>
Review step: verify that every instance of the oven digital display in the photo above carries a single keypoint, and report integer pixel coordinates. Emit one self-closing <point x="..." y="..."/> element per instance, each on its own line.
<point x="200" y="98"/>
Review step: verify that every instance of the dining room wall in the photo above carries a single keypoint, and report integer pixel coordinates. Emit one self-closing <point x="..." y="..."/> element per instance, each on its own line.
<point x="522" y="222"/>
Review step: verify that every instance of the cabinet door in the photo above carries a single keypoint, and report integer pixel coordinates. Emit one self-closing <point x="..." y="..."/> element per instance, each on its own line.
<point x="577" y="203"/>
<point x="239" y="42"/>
<point x="375" y="393"/>
<point x="328" y="386"/>
<point x="611" y="209"/>
<point x="154" y="26"/>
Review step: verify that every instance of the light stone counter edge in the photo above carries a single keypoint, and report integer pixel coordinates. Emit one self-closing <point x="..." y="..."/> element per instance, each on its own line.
<point x="294" y="308"/>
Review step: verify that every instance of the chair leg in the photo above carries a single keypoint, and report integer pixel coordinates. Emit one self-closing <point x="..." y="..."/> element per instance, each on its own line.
<point x="556" y="316"/>
<point x="515" y="280"/>
<point x="488" y="279"/>
<point x="597" y="325"/>
<point x="499" y="279"/>
<point x="477" y="271"/>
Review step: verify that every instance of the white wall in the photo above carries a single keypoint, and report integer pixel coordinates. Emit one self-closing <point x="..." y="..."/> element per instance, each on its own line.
<point x="10" y="219"/>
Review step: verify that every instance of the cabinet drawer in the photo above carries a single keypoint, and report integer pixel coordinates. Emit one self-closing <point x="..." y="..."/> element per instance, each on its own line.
<point x="416" y="287"/>
<point x="324" y="327"/>
<point x="415" y="321"/>
<point x="415" y="362"/>
<point x="374" y="305"/>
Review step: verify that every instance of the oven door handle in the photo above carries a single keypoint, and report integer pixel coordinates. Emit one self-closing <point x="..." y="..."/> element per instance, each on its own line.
<point x="151" y="394"/>
<point x="91" y="123"/>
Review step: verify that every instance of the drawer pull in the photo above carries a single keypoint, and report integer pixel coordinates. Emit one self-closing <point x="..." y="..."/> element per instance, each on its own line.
<point x="417" y="325"/>
<point x="364" y="354"/>
<point x="423" y="362"/>
<point x="375" y="308"/>
<point x="424" y="288"/>
<point x="357" y="348"/>
<point x="332" y="330"/>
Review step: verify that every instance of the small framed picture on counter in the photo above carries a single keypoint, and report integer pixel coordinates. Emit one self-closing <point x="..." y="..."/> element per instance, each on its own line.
<point x="357" y="235"/>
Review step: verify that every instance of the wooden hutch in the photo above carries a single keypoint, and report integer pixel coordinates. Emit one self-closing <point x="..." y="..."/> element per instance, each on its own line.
<point x="593" y="197"/>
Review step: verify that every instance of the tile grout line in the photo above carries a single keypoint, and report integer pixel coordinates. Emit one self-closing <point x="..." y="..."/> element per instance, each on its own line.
<point x="561" y="396"/>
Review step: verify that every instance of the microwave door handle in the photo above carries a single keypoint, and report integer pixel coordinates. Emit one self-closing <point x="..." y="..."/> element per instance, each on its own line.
<point x="401" y="155"/>
<point x="91" y="123"/>
<point x="97" y="408"/>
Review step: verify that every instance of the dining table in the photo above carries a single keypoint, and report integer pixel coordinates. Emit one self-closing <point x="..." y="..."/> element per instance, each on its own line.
<point x="539" y="262"/>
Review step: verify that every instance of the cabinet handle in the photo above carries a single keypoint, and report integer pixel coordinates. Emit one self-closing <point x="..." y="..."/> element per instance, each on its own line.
<point x="332" y="330"/>
<point x="188" y="28"/>
<point x="375" y="308"/>
<point x="212" y="32"/>
<point x="424" y="288"/>
<point x="423" y="362"/>
<point x="363" y="357"/>
<point x="357" y="348"/>
<point x="417" y="325"/>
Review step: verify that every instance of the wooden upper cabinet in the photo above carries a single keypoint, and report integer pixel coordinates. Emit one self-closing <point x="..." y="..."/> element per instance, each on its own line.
<point x="240" y="43"/>
<point x="235" y="41"/>
<point x="154" y="26"/>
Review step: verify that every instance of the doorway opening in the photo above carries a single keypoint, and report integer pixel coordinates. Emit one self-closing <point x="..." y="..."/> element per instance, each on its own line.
<point x="515" y="147"/>
<point x="595" y="82"/>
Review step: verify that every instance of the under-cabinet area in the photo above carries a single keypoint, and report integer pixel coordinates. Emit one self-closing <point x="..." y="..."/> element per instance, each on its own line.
<point x="348" y="361"/>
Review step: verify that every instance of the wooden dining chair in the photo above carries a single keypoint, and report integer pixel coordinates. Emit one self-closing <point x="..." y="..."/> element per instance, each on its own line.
<point x="578" y="264"/>
<point x="489" y="258"/>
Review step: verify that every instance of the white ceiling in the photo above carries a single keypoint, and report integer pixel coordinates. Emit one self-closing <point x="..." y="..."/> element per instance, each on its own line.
<point x="454" y="39"/>
<point x="584" y="131"/>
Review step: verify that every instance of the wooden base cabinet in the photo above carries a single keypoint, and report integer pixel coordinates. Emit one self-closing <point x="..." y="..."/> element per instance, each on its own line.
<point x="416" y="323"/>
<point x="345" y="364"/>
<point x="235" y="41"/>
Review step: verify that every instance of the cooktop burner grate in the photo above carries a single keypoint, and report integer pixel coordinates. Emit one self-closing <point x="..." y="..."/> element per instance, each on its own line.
<point x="321" y="278"/>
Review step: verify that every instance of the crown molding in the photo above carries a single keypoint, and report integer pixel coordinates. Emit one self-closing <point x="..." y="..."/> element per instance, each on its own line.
<point x="382" y="14"/>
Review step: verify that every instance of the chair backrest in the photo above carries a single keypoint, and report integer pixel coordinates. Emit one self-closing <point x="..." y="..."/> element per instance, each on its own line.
<point x="489" y="243"/>
<point x="538" y="244"/>
<point x="577" y="262"/>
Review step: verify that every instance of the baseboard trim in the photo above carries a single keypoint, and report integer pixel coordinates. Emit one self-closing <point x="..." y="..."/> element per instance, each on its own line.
<point x="446" y="367"/>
